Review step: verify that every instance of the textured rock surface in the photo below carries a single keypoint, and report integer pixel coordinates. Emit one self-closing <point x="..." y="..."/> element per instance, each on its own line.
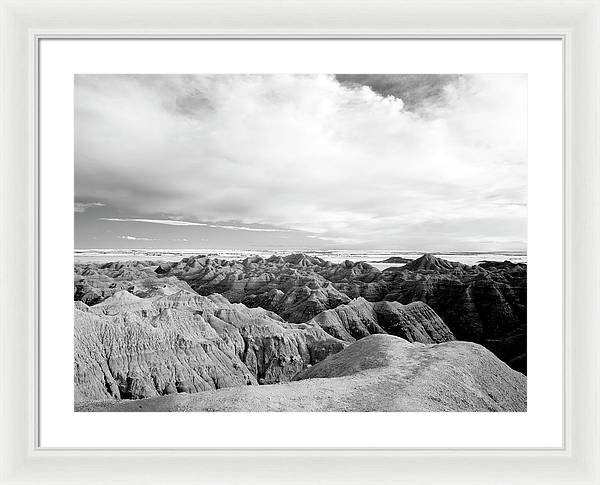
<point x="377" y="373"/>
<point x="428" y="262"/>
<point x="128" y="347"/>
<point x="297" y="287"/>
<point x="299" y="304"/>
<point x="485" y="303"/>
<point x="142" y="330"/>
<point x="415" y="322"/>
<point x="350" y="322"/>
<point x="129" y="357"/>
<point x="396" y="260"/>
<point x="96" y="282"/>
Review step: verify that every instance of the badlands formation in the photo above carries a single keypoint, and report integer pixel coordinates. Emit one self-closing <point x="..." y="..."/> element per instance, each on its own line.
<point x="299" y="333"/>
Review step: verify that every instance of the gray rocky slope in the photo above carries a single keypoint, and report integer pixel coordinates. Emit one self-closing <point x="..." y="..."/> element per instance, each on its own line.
<point x="377" y="373"/>
<point x="144" y="333"/>
<point x="485" y="303"/>
<point x="127" y="347"/>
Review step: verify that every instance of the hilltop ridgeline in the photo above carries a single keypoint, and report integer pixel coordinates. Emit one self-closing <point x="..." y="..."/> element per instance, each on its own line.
<point x="148" y="331"/>
<point x="377" y="373"/>
<point x="485" y="303"/>
<point x="173" y="341"/>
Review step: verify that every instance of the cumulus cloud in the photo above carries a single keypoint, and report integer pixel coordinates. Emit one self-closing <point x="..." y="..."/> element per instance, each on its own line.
<point x="417" y="91"/>
<point x="341" y="160"/>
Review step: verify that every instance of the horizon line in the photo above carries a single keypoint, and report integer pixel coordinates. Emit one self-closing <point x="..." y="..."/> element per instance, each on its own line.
<point x="524" y="251"/>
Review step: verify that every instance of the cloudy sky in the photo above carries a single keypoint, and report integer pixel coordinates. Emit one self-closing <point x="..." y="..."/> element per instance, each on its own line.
<point x="406" y="162"/>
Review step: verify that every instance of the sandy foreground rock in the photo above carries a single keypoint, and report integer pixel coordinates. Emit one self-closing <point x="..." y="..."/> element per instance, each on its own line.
<point x="376" y="373"/>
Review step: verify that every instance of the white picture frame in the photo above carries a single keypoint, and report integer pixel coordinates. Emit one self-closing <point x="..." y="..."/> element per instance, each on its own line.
<point x="24" y="23"/>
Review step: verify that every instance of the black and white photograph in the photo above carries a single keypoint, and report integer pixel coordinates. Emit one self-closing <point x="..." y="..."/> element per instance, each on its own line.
<point x="300" y="242"/>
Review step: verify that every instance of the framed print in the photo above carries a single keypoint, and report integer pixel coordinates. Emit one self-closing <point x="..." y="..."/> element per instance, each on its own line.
<point x="337" y="246"/>
<point x="283" y="304"/>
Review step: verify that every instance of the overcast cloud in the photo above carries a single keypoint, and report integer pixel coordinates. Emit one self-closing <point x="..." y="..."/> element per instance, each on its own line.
<point x="303" y="160"/>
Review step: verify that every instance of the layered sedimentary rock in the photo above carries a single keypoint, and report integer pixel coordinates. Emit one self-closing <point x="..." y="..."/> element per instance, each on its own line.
<point x="376" y="373"/>
<point x="301" y="303"/>
<point x="350" y="322"/>
<point x="415" y="322"/>
<point x="297" y="287"/>
<point x="95" y="282"/>
<point x="485" y="303"/>
<point x="396" y="260"/>
<point x="128" y="347"/>
<point x="148" y="329"/>
<point x="428" y="262"/>
<point x="128" y="356"/>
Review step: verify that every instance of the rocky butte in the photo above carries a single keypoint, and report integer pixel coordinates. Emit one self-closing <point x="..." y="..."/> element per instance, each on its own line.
<point x="299" y="333"/>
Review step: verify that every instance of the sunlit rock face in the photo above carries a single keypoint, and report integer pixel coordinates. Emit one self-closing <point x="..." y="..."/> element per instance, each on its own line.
<point x="381" y="373"/>
<point x="128" y="347"/>
<point x="415" y="322"/>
